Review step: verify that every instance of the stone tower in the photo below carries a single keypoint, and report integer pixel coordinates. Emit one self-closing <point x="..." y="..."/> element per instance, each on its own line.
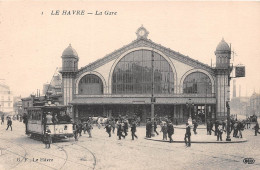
<point x="69" y="68"/>
<point x="222" y="70"/>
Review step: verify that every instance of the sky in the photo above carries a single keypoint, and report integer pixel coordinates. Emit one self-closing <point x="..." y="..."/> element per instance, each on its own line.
<point x="32" y="40"/>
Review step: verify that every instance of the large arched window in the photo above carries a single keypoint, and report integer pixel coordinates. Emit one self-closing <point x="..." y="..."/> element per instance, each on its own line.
<point x="197" y="82"/>
<point x="90" y="84"/>
<point x="133" y="74"/>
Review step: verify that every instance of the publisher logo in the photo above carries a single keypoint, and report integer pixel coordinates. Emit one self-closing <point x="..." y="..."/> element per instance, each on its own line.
<point x="249" y="160"/>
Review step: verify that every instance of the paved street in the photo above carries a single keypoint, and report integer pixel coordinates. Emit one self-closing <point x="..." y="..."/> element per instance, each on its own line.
<point x="101" y="152"/>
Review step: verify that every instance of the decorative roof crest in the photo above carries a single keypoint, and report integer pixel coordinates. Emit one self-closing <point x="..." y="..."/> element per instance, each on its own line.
<point x="142" y="32"/>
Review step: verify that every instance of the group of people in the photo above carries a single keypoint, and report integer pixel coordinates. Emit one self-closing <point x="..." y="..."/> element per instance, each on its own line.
<point x="167" y="129"/>
<point x="111" y="124"/>
<point x="83" y="125"/>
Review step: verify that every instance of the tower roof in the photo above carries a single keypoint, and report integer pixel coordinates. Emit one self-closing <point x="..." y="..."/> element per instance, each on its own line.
<point x="223" y="46"/>
<point x="69" y="51"/>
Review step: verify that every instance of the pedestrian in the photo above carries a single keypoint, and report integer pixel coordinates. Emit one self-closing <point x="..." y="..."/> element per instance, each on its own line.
<point x="80" y="127"/>
<point x="75" y="131"/>
<point x="164" y="130"/>
<point x="148" y="129"/>
<point x="108" y="129"/>
<point x="133" y="130"/>
<point x="47" y="138"/>
<point x="187" y="135"/>
<point x="25" y="121"/>
<point x="120" y="131"/>
<point x="170" y="131"/>
<point x="155" y="127"/>
<point x="240" y="128"/>
<point x="2" y="119"/>
<point x="224" y="125"/>
<point x="235" y="129"/>
<point x="125" y="127"/>
<point x="208" y="128"/>
<point x="195" y="125"/>
<point x="256" y="128"/>
<point x="99" y="122"/>
<point x="216" y="127"/>
<point x="9" y="123"/>
<point x="211" y="127"/>
<point x="113" y="124"/>
<point x="89" y="128"/>
<point x="219" y="133"/>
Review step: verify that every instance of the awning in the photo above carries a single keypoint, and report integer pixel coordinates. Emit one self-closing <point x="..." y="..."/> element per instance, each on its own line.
<point x="143" y="100"/>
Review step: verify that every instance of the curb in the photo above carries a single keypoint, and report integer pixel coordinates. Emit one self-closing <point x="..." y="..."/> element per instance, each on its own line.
<point x="218" y="142"/>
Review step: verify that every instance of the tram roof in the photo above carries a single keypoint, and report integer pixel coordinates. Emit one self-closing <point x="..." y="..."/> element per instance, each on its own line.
<point x="49" y="107"/>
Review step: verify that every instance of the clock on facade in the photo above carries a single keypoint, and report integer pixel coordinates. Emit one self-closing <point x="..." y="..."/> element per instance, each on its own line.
<point x="142" y="32"/>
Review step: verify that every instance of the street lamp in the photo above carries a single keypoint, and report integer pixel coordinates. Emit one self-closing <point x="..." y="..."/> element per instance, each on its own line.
<point x="152" y="96"/>
<point x="207" y="85"/>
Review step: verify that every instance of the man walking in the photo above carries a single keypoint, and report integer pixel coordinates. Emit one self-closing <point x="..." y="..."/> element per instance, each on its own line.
<point x="25" y="121"/>
<point x="195" y="125"/>
<point x="187" y="135"/>
<point x="9" y="123"/>
<point x="108" y="129"/>
<point x="120" y="131"/>
<point x="133" y="130"/>
<point x="89" y="127"/>
<point x="256" y="128"/>
<point x="76" y="131"/>
<point x="2" y="119"/>
<point x="219" y="133"/>
<point x="47" y="138"/>
<point x="164" y="130"/>
<point x="170" y="131"/>
<point x="155" y="127"/>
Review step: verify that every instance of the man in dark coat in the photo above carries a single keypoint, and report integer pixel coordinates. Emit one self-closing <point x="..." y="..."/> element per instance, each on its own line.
<point x="125" y="127"/>
<point x="155" y="127"/>
<point x="108" y="129"/>
<point x="47" y="138"/>
<point x="208" y="128"/>
<point x="120" y="131"/>
<point x="170" y="131"/>
<point x="256" y="128"/>
<point x="187" y="135"/>
<point x="9" y="123"/>
<point x="80" y="128"/>
<point x="133" y="130"/>
<point x="149" y="129"/>
<point x="76" y="131"/>
<point x="25" y="121"/>
<point x="2" y="119"/>
<point x="195" y="125"/>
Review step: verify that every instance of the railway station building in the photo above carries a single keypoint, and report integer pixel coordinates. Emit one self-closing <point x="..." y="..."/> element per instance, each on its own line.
<point x="121" y="82"/>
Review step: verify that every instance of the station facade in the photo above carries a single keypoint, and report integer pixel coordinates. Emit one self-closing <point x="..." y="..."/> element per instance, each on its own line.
<point x="121" y="83"/>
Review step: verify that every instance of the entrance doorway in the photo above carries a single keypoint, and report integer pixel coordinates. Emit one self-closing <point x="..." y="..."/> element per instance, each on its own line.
<point x="200" y="114"/>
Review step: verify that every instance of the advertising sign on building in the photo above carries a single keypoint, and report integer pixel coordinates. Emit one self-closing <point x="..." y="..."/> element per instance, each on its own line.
<point x="240" y="71"/>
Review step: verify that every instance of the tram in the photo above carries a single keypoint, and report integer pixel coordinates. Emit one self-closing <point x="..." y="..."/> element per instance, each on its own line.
<point x="54" y="118"/>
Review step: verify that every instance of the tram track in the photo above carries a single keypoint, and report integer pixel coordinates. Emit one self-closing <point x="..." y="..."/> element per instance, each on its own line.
<point x="23" y="156"/>
<point x="25" y="148"/>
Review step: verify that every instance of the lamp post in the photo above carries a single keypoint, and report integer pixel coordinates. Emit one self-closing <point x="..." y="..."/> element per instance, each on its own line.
<point x="206" y="101"/>
<point x="189" y="104"/>
<point x="228" y="106"/>
<point x="152" y="96"/>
